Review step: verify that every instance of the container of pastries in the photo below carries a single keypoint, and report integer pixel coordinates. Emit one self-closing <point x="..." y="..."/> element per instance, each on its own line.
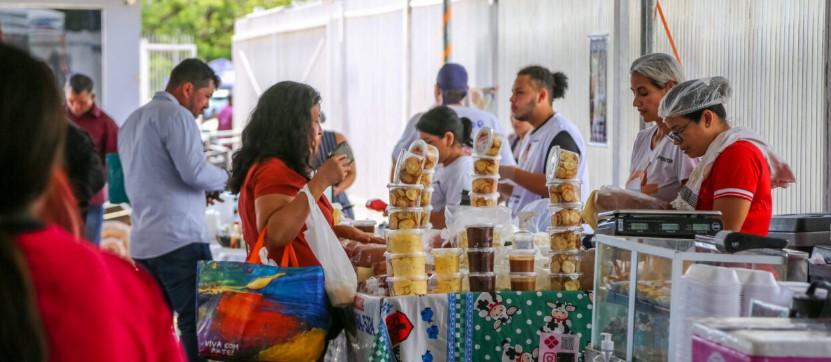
<point x="404" y="218"/>
<point x="403" y="195"/>
<point x="565" y="239"/>
<point x="487" y="142"/>
<point x="563" y="192"/>
<point x="567" y="215"/>
<point x="562" y="164"/>
<point x="484" y="184"/>
<point x="486" y="165"/>
<point x="484" y="200"/>
<point x="408" y="168"/>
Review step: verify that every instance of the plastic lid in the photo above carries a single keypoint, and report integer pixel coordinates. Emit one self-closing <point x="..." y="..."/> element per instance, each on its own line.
<point x="475" y="176"/>
<point x="413" y="278"/>
<point x="483" y="157"/>
<point x="405" y="231"/>
<point x="523" y="274"/>
<point x="572" y="252"/>
<point x="481" y="250"/>
<point x="429" y="171"/>
<point x="407" y="186"/>
<point x="565" y="205"/>
<point x="558" y="181"/>
<point x="429" y="189"/>
<point x="481" y="225"/>
<point x="564" y="229"/>
<point x="418" y="147"/>
<point x="571" y="276"/>
<point x="445" y="251"/>
<point x="448" y="276"/>
<point x="522" y="252"/>
<point x="487" y="196"/>
<point x="405" y="255"/>
<point x="391" y="210"/>
<point x="481" y="275"/>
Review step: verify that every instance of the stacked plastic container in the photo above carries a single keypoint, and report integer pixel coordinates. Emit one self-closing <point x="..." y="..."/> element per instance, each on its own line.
<point x="485" y="168"/>
<point x="566" y="231"/>
<point x="480" y="258"/>
<point x="406" y="259"/>
<point x="431" y="155"/>
<point x="522" y="262"/>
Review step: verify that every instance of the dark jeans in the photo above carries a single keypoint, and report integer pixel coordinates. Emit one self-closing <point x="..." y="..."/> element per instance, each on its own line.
<point x="176" y="273"/>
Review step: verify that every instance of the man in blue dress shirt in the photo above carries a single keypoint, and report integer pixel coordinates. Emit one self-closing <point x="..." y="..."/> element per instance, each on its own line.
<point x="166" y="177"/>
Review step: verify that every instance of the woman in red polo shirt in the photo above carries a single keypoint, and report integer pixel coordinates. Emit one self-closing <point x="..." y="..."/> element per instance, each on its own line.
<point x="737" y="169"/>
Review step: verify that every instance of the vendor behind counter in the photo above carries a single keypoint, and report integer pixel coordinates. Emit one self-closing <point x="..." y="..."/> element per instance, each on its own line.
<point x="737" y="170"/>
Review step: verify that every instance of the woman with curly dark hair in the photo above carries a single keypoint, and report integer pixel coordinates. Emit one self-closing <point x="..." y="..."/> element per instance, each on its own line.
<point x="281" y="138"/>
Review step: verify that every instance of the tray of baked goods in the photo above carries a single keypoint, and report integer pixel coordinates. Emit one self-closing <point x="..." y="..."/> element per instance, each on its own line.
<point x="651" y="293"/>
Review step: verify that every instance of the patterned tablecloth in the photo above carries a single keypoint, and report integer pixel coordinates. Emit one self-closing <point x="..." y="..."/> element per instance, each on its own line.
<point x="505" y="326"/>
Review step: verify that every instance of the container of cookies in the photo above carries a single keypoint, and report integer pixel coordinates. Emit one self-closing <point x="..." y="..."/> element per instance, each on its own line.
<point x="400" y="286"/>
<point x="563" y="192"/>
<point x="486" y="165"/>
<point x="403" y="195"/>
<point x="408" y="168"/>
<point x="562" y="164"/>
<point x="407" y="265"/>
<point x="567" y="282"/>
<point x="426" y="197"/>
<point x="484" y="200"/>
<point x="405" y="241"/>
<point x="404" y="218"/>
<point x="446" y="283"/>
<point x="426" y="179"/>
<point x="446" y="260"/>
<point x="565" y="262"/>
<point x="523" y="282"/>
<point x="565" y="239"/>
<point x="487" y="142"/>
<point x="484" y="184"/>
<point x="566" y="215"/>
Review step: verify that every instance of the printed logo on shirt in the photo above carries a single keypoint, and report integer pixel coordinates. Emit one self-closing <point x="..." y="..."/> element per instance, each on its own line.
<point x="664" y="159"/>
<point x="480" y="123"/>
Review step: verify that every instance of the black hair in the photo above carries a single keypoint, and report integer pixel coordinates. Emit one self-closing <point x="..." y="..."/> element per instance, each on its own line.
<point x="194" y="71"/>
<point x="556" y="83"/>
<point x="718" y="109"/>
<point x="443" y="119"/>
<point x="80" y="83"/>
<point x="279" y="127"/>
<point x="453" y="96"/>
<point x="28" y="151"/>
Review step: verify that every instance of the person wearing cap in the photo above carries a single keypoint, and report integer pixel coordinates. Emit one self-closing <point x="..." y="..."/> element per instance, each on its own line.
<point x="658" y="167"/>
<point x="450" y="90"/>
<point x="737" y="169"/>
<point x="533" y="93"/>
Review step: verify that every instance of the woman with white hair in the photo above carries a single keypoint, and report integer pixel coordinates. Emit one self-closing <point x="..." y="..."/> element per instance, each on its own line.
<point x="658" y="168"/>
<point x="737" y="169"/>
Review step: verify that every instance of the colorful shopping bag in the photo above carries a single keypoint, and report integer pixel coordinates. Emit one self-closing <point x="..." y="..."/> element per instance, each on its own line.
<point x="256" y="312"/>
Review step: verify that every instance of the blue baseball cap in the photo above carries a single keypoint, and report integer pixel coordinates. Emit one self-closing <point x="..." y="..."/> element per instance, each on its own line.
<point x="452" y="76"/>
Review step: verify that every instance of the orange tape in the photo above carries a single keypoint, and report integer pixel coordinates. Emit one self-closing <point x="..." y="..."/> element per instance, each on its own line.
<point x="666" y="29"/>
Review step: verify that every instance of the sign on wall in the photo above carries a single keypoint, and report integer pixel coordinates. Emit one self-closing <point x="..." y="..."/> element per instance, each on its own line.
<point x="598" y="55"/>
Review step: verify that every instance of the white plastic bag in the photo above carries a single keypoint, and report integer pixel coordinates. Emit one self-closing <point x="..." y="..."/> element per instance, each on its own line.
<point x="340" y="280"/>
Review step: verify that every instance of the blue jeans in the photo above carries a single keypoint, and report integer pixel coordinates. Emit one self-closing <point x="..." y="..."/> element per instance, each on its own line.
<point x="94" y="219"/>
<point x="176" y="274"/>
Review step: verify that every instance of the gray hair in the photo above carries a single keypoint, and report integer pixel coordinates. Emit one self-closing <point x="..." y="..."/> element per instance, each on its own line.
<point x="660" y="68"/>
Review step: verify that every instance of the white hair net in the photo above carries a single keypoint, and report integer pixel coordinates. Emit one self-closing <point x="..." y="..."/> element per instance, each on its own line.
<point x="694" y="95"/>
<point x="660" y="68"/>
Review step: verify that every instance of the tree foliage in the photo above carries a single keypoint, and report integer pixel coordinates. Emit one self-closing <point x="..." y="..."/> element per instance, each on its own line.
<point x="209" y="22"/>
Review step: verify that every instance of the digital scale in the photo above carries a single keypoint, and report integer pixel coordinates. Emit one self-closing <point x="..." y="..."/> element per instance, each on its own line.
<point x="659" y="223"/>
<point x="802" y="230"/>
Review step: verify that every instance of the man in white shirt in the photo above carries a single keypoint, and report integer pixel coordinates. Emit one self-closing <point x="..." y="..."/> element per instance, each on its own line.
<point x="533" y="93"/>
<point x="450" y="90"/>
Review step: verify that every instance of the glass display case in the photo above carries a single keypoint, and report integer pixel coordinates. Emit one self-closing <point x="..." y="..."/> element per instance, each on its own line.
<point x="634" y="296"/>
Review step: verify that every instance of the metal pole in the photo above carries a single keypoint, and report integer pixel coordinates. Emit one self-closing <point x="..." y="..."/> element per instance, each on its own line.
<point x="827" y="51"/>
<point x="647" y="26"/>
<point x="445" y="22"/>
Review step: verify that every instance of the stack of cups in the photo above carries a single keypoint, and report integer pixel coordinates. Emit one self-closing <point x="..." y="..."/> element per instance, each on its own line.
<point x="485" y="168"/>
<point x="447" y="276"/>
<point x="566" y="229"/>
<point x="521" y="261"/>
<point x="480" y="255"/>
<point x="406" y="260"/>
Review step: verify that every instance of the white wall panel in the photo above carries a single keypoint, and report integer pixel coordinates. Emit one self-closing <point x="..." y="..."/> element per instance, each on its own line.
<point x="772" y="53"/>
